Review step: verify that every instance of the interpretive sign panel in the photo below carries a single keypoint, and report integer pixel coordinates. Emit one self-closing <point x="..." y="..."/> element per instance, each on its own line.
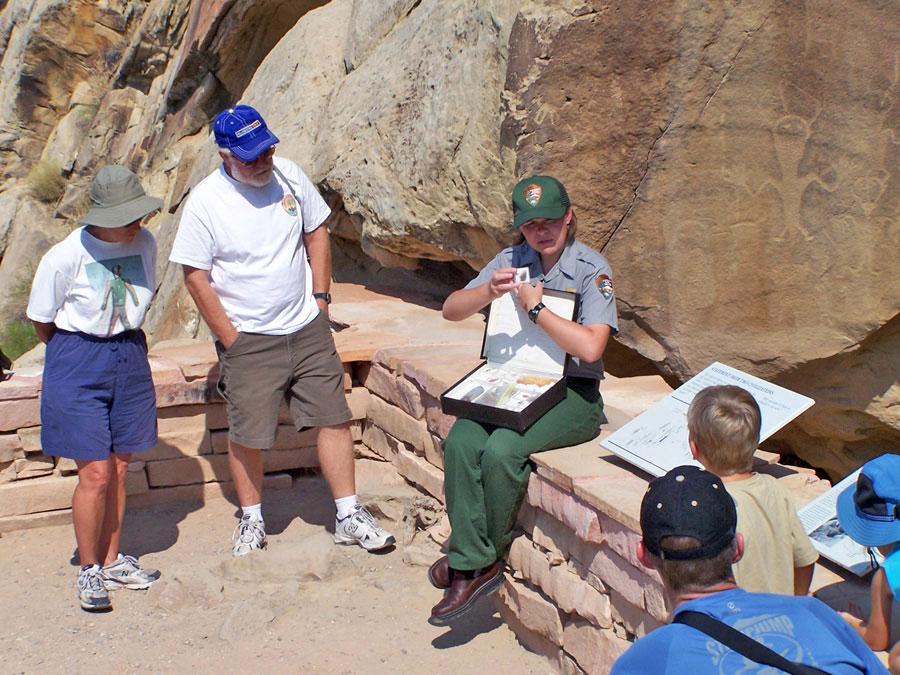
<point x="657" y="439"/>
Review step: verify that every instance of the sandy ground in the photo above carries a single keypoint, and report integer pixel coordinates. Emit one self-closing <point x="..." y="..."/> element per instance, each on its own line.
<point x="304" y="605"/>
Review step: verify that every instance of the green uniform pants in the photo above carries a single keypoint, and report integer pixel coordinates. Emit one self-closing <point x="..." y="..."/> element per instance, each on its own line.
<point x="486" y="472"/>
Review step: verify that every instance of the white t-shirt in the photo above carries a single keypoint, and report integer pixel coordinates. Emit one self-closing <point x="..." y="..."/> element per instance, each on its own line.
<point x="250" y="239"/>
<point x="93" y="286"/>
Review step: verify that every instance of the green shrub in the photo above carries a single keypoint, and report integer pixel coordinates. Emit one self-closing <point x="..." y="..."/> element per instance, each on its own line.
<point x="86" y="110"/>
<point x="17" y="338"/>
<point x="45" y="181"/>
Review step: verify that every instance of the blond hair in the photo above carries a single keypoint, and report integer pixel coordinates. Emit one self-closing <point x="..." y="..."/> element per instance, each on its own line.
<point x="573" y="227"/>
<point x="724" y="423"/>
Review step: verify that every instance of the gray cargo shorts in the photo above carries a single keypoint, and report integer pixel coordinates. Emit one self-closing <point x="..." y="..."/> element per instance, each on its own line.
<point x="259" y="371"/>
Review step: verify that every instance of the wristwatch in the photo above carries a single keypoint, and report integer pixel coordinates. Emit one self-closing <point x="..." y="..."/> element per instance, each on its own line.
<point x="323" y="296"/>
<point x="534" y="311"/>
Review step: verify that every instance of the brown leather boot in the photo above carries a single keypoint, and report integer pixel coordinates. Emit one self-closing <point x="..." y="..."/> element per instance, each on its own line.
<point x="439" y="573"/>
<point x="465" y="590"/>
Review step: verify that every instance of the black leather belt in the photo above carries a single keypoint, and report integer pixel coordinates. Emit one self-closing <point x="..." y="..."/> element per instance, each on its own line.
<point x="583" y="383"/>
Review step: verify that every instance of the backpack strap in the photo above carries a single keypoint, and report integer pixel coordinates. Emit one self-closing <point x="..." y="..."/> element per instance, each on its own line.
<point x="746" y="646"/>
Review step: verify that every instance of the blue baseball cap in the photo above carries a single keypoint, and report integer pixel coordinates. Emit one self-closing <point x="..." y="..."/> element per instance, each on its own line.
<point x="242" y="130"/>
<point x="870" y="510"/>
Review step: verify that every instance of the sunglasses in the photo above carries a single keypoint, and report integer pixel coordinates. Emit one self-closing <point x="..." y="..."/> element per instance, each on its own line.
<point x="265" y="154"/>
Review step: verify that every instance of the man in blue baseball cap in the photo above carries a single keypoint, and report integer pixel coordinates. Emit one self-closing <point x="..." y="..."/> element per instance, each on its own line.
<point x="257" y="263"/>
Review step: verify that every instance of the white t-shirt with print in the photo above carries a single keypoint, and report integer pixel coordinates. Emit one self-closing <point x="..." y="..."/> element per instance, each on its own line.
<point x="92" y="286"/>
<point x="251" y="241"/>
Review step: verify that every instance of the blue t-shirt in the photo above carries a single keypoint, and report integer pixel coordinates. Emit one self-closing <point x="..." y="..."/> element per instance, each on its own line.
<point x="891" y="567"/>
<point x="801" y="629"/>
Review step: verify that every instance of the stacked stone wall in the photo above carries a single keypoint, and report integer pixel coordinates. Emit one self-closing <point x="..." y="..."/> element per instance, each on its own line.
<point x="574" y="592"/>
<point x="189" y="461"/>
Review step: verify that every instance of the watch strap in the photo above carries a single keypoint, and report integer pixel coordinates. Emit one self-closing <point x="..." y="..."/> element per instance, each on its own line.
<point x="323" y="296"/>
<point x="534" y="311"/>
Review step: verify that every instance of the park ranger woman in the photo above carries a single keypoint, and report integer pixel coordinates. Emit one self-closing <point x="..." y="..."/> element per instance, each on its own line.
<point x="486" y="467"/>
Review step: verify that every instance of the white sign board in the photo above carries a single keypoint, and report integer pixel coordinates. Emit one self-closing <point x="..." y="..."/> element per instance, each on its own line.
<point x="657" y="439"/>
<point x="820" y="521"/>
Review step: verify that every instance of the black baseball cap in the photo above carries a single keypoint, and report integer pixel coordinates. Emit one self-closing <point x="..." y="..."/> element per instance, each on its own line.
<point x="688" y="502"/>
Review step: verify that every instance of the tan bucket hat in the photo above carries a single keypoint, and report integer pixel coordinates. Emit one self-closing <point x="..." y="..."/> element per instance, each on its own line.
<point x="118" y="199"/>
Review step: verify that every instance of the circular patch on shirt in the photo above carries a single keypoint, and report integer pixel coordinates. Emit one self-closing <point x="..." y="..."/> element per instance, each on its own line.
<point x="289" y="204"/>
<point x="533" y="193"/>
<point x="604" y="285"/>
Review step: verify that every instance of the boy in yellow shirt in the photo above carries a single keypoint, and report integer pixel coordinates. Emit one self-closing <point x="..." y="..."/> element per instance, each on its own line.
<point x="723" y="432"/>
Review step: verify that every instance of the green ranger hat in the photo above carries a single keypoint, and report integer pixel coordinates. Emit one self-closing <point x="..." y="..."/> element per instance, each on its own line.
<point x="538" y="197"/>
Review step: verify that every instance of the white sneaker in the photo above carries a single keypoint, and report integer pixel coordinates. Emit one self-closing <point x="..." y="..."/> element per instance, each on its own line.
<point x="124" y="572"/>
<point x="360" y="528"/>
<point x="249" y="535"/>
<point x="92" y="594"/>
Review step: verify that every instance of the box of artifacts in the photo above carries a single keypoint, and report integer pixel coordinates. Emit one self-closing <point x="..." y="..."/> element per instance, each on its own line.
<point x="523" y="375"/>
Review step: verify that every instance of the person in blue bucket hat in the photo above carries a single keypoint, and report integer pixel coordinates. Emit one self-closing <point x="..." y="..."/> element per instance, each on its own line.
<point x="869" y="512"/>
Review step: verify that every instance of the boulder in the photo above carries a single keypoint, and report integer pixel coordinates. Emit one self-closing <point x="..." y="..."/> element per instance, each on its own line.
<point x="732" y="161"/>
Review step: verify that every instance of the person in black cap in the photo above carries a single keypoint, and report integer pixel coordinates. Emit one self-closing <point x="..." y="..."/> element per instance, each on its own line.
<point x="688" y="529"/>
<point x="257" y="263"/>
<point x="869" y="512"/>
<point x="98" y="404"/>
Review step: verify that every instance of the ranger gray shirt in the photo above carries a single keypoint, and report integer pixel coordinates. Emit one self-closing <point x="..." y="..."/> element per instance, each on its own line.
<point x="580" y="269"/>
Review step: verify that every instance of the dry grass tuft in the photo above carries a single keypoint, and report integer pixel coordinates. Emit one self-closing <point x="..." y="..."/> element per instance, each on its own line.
<point x="45" y="181"/>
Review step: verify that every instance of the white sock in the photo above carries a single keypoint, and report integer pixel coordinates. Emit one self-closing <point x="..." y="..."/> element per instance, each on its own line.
<point x="254" y="511"/>
<point x="345" y="506"/>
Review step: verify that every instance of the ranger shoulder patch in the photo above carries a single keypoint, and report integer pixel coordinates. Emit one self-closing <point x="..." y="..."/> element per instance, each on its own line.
<point x="604" y="285"/>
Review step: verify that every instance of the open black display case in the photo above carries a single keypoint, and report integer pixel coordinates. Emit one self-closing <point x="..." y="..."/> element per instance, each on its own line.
<point x="523" y="375"/>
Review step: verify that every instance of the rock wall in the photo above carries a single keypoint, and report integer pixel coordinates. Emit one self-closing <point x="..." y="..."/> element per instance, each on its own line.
<point x="734" y="161"/>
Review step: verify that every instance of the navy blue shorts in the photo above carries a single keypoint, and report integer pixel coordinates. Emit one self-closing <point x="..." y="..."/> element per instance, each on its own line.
<point x="97" y="396"/>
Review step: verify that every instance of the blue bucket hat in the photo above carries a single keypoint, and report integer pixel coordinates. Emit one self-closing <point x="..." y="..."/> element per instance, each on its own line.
<point x="870" y="510"/>
<point x="242" y="130"/>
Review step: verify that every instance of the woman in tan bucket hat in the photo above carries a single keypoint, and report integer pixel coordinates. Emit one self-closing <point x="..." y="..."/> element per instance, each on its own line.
<point x="88" y="300"/>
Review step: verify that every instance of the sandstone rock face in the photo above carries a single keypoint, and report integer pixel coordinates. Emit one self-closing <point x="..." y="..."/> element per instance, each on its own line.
<point x="408" y="137"/>
<point x="736" y="169"/>
<point x="735" y="163"/>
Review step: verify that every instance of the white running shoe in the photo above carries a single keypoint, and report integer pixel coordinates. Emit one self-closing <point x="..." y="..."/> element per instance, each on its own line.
<point x="124" y="572"/>
<point x="92" y="594"/>
<point x="360" y="528"/>
<point x="249" y="535"/>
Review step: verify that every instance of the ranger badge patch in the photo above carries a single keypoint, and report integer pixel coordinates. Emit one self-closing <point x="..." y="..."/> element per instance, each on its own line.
<point x="604" y="284"/>
<point x="533" y="193"/>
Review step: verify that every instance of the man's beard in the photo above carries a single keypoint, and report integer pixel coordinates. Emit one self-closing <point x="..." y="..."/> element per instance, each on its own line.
<point x="259" y="180"/>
